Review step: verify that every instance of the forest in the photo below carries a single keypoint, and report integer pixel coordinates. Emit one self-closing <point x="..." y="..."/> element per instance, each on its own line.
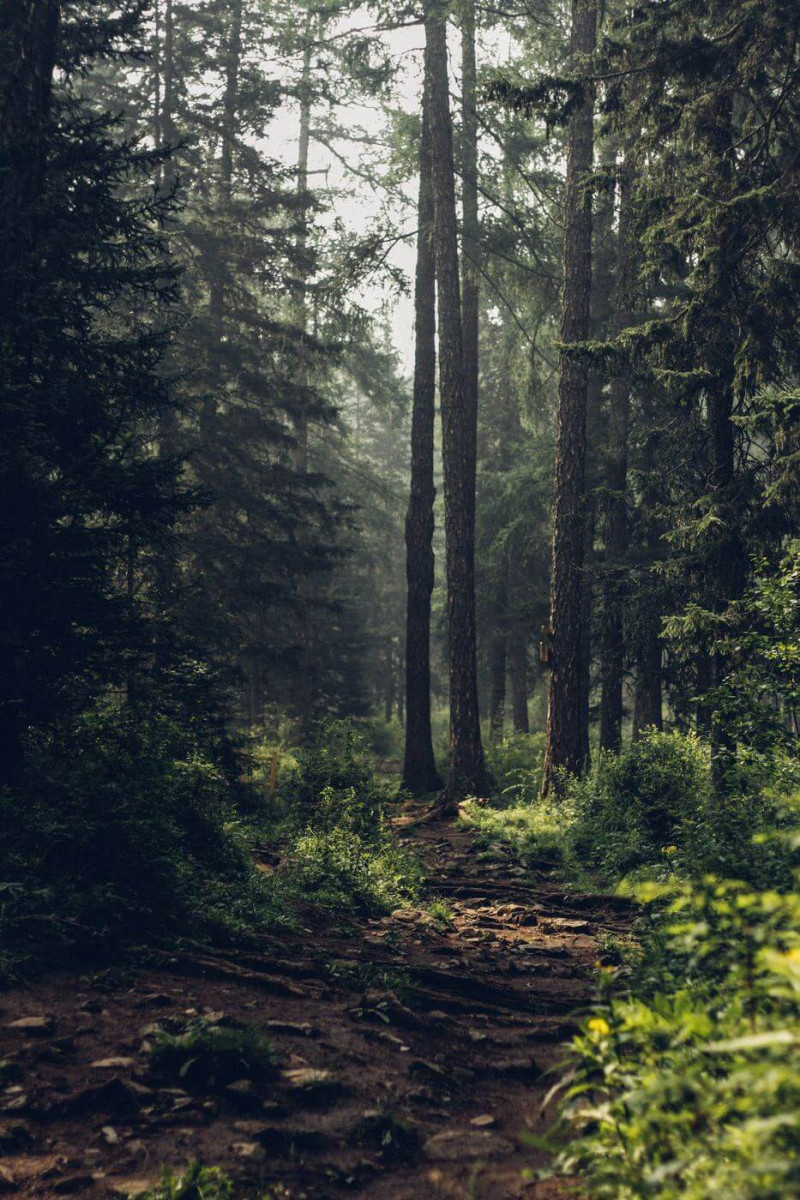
<point x="400" y="599"/>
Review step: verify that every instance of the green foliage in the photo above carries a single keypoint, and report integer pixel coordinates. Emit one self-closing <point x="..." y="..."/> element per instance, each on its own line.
<point x="653" y="806"/>
<point x="339" y="869"/>
<point x="341" y="854"/>
<point x="117" y="826"/>
<point x="635" y="803"/>
<point x="204" y="1057"/>
<point x="515" y="764"/>
<point x="687" y="1087"/>
<point x="535" y="828"/>
<point x="197" y="1183"/>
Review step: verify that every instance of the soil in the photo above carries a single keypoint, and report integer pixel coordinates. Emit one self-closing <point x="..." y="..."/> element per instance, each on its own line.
<point x="411" y="1057"/>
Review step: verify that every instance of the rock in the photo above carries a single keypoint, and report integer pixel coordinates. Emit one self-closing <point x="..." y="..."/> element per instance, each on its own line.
<point x="13" y="1136"/>
<point x="409" y="915"/>
<point x="455" y="1145"/>
<point x="283" y="1139"/>
<point x="110" y="1135"/>
<point x="35" y="1026"/>
<point x="252" y="1151"/>
<point x="311" y="1083"/>
<point x="526" y="1070"/>
<point x="112" y="1064"/>
<point x="130" y="1187"/>
<point x="73" y="1183"/>
<point x="156" y="1000"/>
<point x="7" y="1181"/>
<point x="90" y="1006"/>
<point x="292" y="1028"/>
<point x="118" y="1096"/>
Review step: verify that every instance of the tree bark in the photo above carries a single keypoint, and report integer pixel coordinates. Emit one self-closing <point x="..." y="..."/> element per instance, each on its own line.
<point x="470" y="229"/>
<point x="498" y="654"/>
<point x="28" y="37"/>
<point x="467" y="774"/>
<point x="419" y="765"/>
<point x="647" y="702"/>
<point x="587" y="600"/>
<point x="616" y="531"/>
<point x="28" y="41"/>
<point x="563" y="754"/>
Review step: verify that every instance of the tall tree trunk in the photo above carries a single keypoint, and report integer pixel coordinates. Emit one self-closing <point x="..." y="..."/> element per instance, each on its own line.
<point x="28" y="40"/>
<point x="518" y="673"/>
<point x="616" y="525"/>
<point x="587" y="599"/>
<point x="470" y="230"/>
<point x="419" y="765"/>
<point x="28" y="37"/>
<point x="300" y="421"/>
<point x="564" y="750"/>
<point x="498" y="654"/>
<point x="647" y="700"/>
<point x="467" y="775"/>
<point x="726" y="567"/>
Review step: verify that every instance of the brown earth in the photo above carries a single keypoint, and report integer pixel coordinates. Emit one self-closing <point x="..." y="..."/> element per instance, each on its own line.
<point x="410" y="1058"/>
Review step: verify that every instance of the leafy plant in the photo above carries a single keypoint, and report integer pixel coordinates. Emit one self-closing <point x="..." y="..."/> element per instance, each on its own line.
<point x="204" y="1056"/>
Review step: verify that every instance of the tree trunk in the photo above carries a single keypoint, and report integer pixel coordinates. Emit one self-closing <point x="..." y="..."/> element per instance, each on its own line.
<point x="470" y="230"/>
<point x="467" y="775"/>
<point x="564" y="749"/>
<point x="647" y="702"/>
<point x="28" y="37"/>
<point x="587" y="598"/>
<point x="419" y="765"/>
<point x="616" y="532"/>
<point x="300" y="452"/>
<point x="498" y="653"/>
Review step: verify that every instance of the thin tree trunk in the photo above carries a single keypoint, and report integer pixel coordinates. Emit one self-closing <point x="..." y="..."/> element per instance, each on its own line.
<point x="518" y="674"/>
<point x="616" y="532"/>
<point x="300" y="453"/>
<point x="587" y="599"/>
<point x="498" y="654"/>
<point x="28" y="37"/>
<point x="647" y="703"/>
<point x="467" y="775"/>
<point x="564" y="747"/>
<point x="470" y="230"/>
<point x="419" y="765"/>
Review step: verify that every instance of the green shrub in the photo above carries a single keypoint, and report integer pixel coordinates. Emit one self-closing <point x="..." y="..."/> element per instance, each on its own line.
<point x="204" y="1057"/>
<point x="117" y="826"/>
<point x="535" y="828"/>
<point x="515" y="764"/>
<point x="333" y="783"/>
<point x="339" y="869"/>
<point x="197" y="1183"/>
<point x="688" y="1088"/>
<point x="635" y="803"/>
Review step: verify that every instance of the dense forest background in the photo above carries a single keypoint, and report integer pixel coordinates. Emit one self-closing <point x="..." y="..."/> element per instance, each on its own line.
<point x="414" y="389"/>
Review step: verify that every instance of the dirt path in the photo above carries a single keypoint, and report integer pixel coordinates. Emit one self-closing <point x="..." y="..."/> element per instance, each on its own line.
<point x="410" y="1058"/>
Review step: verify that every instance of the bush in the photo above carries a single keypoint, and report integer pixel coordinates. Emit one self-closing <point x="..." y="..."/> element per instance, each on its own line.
<point x="204" y="1057"/>
<point x="117" y="826"/>
<point x="635" y="803"/>
<point x="516" y="764"/>
<point x="333" y="783"/>
<point x="339" y="869"/>
<point x="340" y="853"/>
<point x="689" y="1087"/>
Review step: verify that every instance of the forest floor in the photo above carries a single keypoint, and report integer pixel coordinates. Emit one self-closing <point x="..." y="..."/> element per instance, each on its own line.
<point x="410" y="1055"/>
